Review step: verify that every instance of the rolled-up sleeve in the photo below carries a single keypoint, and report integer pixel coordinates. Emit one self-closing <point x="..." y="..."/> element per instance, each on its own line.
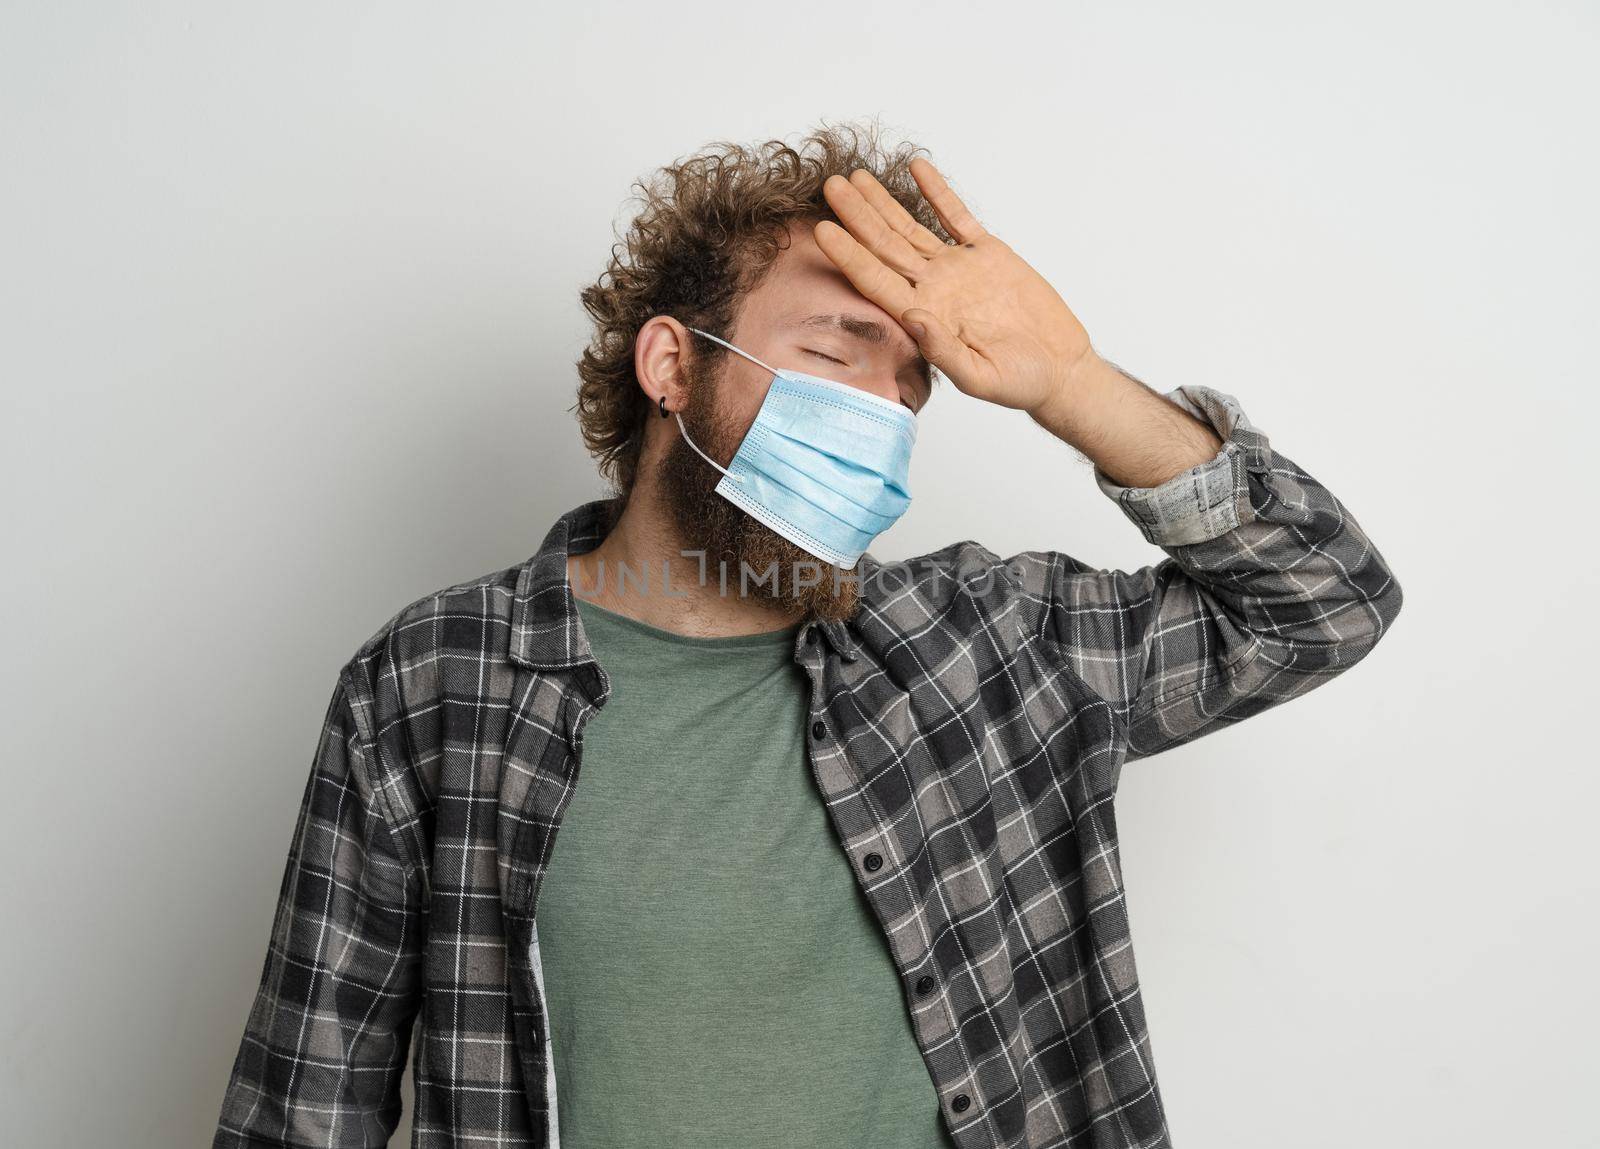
<point x="1270" y="587"/>
<point x="1210" y="498"/>
<point x="326" y="1040"/>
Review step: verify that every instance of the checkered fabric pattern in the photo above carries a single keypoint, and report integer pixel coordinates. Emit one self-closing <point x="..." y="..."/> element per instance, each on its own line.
<point x="967" y="729"/>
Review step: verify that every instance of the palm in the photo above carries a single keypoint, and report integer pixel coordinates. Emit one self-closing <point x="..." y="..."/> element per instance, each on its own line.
<point x="995" y="326"/>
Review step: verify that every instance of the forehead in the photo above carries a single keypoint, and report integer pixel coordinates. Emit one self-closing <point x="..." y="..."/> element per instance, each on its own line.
<point x="803" y="281"/>
<point x="805" y="292"/>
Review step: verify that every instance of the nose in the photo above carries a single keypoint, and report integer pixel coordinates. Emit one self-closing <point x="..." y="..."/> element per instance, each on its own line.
<point x="876" y="383"/>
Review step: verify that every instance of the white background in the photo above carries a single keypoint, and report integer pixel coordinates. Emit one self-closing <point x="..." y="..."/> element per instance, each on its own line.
<point x="289" y="299"/>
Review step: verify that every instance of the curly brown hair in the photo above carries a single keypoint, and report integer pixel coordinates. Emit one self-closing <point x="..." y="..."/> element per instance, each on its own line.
<point x="708" y="231"/>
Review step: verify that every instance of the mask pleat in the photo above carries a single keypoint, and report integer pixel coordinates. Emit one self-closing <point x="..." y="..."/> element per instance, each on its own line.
<point x="825" y="464"/>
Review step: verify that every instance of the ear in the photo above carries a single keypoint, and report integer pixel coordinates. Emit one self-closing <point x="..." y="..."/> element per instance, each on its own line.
<point x="658" y="351"/>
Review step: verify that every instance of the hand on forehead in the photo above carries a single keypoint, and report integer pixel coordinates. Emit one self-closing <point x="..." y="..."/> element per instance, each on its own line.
<point x="806" y="316"/>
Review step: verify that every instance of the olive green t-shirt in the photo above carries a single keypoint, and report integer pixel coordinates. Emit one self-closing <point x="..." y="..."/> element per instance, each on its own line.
<point x="715" y="977"/>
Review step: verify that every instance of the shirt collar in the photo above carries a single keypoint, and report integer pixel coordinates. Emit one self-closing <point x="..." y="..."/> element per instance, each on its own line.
<point x="546" y="631"/>
<point x="839" y="634"/>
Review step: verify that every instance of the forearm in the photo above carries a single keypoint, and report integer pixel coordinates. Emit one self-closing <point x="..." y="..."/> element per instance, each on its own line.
<point x="1270" y="586"/>
<point x="1133" y="434"/>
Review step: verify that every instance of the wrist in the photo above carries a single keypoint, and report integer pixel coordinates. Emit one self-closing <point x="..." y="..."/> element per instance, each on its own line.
<point x="1074" y="385"/>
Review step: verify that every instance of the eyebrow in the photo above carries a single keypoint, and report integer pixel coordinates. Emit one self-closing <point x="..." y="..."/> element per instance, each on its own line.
<point x="868" y="331"/>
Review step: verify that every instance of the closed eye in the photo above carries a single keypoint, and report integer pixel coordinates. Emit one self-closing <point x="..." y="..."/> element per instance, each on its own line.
<point x="912" y="407"/>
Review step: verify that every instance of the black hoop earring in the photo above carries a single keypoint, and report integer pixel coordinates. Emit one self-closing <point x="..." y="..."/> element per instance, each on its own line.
<point x="662" y="403"/>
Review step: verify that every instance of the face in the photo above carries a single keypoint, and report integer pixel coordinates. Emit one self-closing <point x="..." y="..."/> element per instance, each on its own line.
<point x="807" y="317"/>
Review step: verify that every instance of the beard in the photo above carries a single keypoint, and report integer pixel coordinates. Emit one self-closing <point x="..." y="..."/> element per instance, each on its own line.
<point x="748" y="554"/>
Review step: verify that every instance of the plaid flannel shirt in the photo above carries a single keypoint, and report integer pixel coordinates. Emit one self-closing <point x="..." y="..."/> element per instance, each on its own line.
<point x="967" y="729"/>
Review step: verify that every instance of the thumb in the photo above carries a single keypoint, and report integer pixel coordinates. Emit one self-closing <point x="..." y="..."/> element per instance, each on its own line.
<point x="938" y="344"/>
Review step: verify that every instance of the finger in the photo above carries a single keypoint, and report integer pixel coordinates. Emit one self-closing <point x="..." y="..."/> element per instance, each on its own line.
<point x="895" y="215"/>
<point x="945" y="350"/>
<point x="957" y="220"/>
<point x="869" y="229"/>
<point x="867" y="274"/>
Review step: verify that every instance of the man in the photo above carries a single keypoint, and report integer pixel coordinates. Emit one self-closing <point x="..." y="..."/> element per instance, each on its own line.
<point x="701" y="826"/>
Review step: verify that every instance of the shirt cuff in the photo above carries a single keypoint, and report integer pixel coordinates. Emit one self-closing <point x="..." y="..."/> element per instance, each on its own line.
<point x="1210" y="498"/>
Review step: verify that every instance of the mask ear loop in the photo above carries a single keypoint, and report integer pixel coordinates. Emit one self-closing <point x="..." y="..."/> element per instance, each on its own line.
<point x="735" y="350"/>
<point x="676" y="415"/>
<point x="702" y="454"/>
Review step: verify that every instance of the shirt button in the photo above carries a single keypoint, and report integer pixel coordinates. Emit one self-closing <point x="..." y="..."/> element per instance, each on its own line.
<point x="925" y="985"/>
<point x="873" y="861"/>
<point x="819" y="730"/>
<point x="961" y="1103"/>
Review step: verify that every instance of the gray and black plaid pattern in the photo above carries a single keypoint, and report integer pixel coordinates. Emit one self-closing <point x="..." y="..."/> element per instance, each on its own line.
<point x="967" y="729"/>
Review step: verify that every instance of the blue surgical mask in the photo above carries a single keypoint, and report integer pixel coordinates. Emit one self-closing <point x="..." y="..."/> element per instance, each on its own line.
<point x="824" y="464"/>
